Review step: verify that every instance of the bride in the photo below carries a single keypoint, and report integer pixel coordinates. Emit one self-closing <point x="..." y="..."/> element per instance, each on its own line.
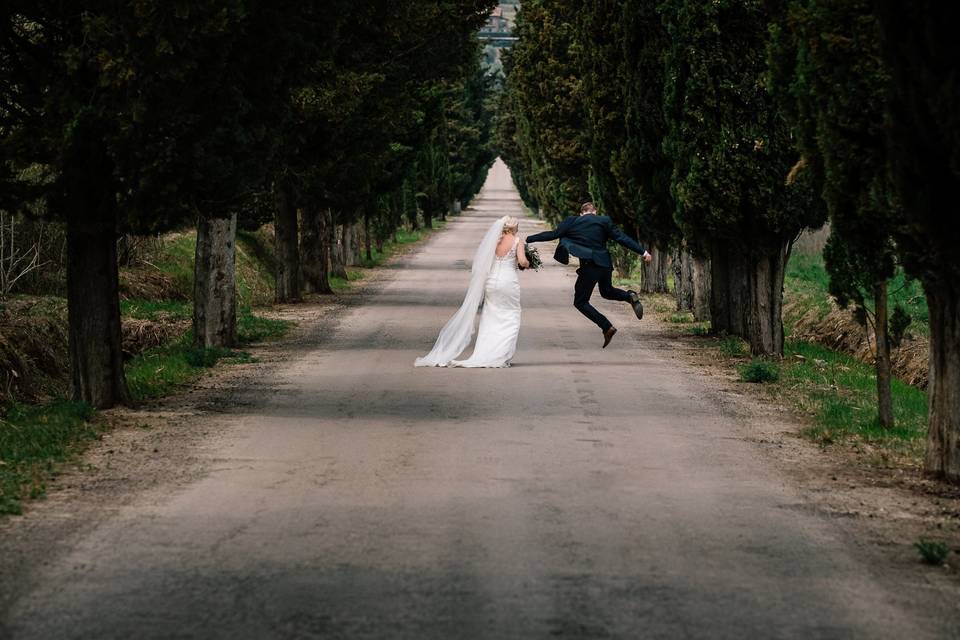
<point x="494" y="285"/>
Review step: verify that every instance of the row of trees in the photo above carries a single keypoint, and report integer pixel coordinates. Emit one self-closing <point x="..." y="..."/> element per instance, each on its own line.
<point x="720" y="130"/>
<point x="140" y="117"/>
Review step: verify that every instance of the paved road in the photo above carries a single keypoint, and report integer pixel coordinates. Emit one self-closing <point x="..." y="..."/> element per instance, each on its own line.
<point x="582" y="493"/>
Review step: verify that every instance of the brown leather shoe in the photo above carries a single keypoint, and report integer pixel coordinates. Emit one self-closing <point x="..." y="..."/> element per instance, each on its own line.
<point x="608" y="336"/>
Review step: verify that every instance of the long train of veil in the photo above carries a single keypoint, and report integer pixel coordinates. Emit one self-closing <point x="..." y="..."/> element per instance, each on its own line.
<point x="457" y="333"/>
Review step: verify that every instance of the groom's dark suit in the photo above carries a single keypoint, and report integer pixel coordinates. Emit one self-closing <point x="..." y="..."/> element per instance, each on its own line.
<point x="586" y="238"/>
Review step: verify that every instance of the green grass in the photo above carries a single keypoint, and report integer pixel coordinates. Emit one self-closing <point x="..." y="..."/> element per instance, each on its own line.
<point x="630" y="283"/>
<point x="176" y="261"/>
<point x="254" y="265"/>
<point x="932" y="552"/>
<point x="402" y="238"/>
<point x="161" y="371"/>
<point x="807" y="284"/>
<point x="339" y="285"/>
<point x="759" y="371"/>
<point x="732" y="346"/>
<point x="33" y="441"/>
<point x="840" y="393"/>
<point x="698" y="329"/>
<point x="254" y="328"/>
<point x="36" y="440"/>
<point x="156" y="309"/>
<point x="680" y="318"/>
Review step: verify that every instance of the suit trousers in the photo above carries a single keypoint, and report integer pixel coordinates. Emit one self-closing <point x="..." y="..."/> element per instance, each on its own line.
<point x="589" y="275"/>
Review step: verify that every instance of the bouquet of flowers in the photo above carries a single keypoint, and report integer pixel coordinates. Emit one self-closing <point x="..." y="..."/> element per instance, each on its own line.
<point x="533" y="257"/>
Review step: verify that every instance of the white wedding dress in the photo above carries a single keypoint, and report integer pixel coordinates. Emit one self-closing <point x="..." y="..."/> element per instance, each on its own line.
<point x="495" y="284"/>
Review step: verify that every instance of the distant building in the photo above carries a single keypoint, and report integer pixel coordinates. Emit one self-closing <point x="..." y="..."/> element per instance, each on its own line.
<point x="496" y="23"/>
<point x="497" y="35"/>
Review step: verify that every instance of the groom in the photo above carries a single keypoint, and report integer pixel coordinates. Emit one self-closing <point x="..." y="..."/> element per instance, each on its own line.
<point x="585" y="236"/>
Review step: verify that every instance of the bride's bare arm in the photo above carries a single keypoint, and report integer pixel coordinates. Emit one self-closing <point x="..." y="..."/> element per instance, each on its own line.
<point x="522" y="254"/>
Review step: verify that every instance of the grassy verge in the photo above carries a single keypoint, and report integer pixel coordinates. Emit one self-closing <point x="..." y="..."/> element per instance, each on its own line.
<point x="160" y="371"/>
<point x="835" y="391"/>
<point x="807" y="285"/>
<point x="401" y="239"/>
<point x="840" y="394"/>
<point x="340" y="285"/>
<point x="156" y="309"/>
<point x="33" y="441"/>
<point x="173" y="256"/>
<point x="36" y="439"/>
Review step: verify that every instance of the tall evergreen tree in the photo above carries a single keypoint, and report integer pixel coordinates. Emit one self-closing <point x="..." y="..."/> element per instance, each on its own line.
<point x="106" y="102"/>
<point x="826" y="55"/>
<point x="546" y="94"/>
<point x="731" y="150"/>
<point x="920" y="50"/>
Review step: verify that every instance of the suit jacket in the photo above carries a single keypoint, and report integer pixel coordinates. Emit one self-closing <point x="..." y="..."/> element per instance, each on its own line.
<point x="586" y="238"/>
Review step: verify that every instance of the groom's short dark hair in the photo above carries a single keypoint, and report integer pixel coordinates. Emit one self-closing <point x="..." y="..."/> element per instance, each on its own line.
<point x="586" y="206"/>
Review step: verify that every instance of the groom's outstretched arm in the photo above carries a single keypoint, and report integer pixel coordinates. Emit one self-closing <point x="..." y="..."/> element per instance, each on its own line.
<point x="623" y="239"/>
<point x="547" y="236"/>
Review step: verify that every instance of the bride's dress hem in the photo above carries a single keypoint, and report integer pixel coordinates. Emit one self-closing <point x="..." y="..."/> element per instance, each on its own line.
<point x="463" y="364"/>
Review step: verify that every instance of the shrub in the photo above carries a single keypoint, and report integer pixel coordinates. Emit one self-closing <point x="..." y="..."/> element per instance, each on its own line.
<point x="759" y="371"/>
<point x="733" y="347"/>
<point x="931" y="551"/>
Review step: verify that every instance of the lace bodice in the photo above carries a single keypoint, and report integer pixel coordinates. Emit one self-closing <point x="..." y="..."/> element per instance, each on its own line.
<point x="511" y="254"/>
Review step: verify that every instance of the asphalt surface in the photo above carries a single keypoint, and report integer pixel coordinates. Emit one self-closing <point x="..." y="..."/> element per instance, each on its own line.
<point x="582" y="493"/>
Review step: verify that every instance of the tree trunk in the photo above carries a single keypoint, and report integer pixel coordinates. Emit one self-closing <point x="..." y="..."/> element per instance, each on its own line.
<point x="287" y="249"/>
<point x="729" y="288"/>
<point x="315" y="249"/>
<point x="455" y="208"/>
<point x="214" y="289"/>
<point x="700" y="279"/>
<point x="943" y="432"/>
<point x="720" y="322"/>
<point x="427" y="218"/>
<point x="683" y="280"/>
<point x="655" y="272"/>
<point x="765" y="320"/>
<point x="663" y="268"/>
<point x="882" y="336"/>
<point x="367" y="240"/>
<point x="353" y="244"/>
<point x="338" y="257"/>
<point x="413" y="219"/>
<point x="648" y="272"/>
<point x="93" y="296"/>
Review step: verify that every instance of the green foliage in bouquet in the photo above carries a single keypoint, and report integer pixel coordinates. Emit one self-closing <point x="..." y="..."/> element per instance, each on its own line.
<point x="533" y="257"/>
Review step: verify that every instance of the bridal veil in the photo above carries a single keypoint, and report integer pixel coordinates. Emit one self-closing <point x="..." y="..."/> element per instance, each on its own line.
<point x="457" y="333"/>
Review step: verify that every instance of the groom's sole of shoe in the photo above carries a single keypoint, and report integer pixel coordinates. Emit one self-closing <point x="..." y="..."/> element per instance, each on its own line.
<point x="637" y="305"/>
<point x="608" y="336"/>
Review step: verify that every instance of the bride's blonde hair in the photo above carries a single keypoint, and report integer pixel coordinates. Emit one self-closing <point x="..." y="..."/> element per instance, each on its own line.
<point x="511" y="225"/>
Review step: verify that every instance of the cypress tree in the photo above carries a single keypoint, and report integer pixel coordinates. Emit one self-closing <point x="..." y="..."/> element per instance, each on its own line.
<point x="826" y="55"/>
<point x="920" y="50"/>
<point x="731" y="150"/>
